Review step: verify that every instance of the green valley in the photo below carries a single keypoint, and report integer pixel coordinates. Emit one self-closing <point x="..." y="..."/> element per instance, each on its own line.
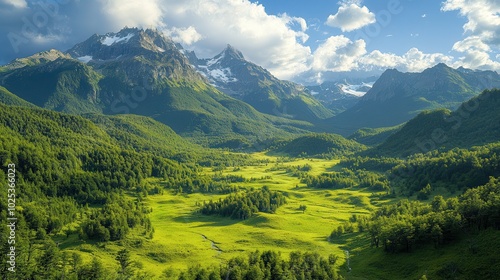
<point x="127" y="157"/>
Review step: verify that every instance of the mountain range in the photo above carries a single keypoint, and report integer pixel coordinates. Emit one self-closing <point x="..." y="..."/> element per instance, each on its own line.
<point x="140" y="72"/>
<point x="226" y="100"/>
<point x="397" y="97"/>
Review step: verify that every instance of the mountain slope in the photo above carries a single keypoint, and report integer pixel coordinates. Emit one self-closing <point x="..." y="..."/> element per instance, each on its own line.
<point x="231" y="73"/>
<point x="476" y="122"/>
<point x="397" y="97"/>
<point x="53" y="82"/>
<point x="8" y="98"/>
<point x="140" y="72"/>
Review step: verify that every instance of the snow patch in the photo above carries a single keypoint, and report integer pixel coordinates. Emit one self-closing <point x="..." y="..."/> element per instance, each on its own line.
<point x="160" y="49"/>
<point x="223" y="75"/>
<point x="108" y="41"/>
<point x="85" y="59"/>
<point x="355" y="89"/>
<point x="215" y="60"/>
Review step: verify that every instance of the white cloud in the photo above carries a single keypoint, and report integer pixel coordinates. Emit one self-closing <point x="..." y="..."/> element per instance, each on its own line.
<point x="481" y="30"/>
<point x="350" y="17"/>
<point x="134" y="13"/>
<point x="15" y="3"/>
<point x="416" y="61"/>
<point x="338" y="54"/>
<point x="186" y="36"/>
<point x="471" y="43"/>
<point x="377" y="59"/>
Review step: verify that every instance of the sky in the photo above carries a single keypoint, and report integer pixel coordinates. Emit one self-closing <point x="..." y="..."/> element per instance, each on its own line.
<point x="304" y="41"/>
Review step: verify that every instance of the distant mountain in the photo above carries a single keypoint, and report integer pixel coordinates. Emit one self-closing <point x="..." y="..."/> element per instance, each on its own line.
<point x="231" y="73"/>
<point x="397" y="97"/>
<point x="339" y="96"/>
<point x="476" y="122"/>
<point x="140" y="72"/>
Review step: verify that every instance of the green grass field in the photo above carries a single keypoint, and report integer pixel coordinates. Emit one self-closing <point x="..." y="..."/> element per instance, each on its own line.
<point x="184" y="237"/>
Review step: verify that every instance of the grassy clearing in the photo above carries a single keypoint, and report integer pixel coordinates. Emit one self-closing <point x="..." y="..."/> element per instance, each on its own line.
<point x="184" y="237"/>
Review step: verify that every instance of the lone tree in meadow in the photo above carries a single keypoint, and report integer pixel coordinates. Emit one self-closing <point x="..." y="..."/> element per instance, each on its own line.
<point x="302" y="208"/>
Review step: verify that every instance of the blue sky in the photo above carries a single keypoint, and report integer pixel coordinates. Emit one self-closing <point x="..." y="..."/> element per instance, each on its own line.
<point x="419" y="24"/>
<point x="304" y="41"/>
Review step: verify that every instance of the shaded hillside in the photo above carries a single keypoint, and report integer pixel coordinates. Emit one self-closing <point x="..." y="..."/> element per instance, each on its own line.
<point x="476" y="122"/>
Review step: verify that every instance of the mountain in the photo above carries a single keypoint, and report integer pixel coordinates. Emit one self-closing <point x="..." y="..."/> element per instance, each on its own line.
<point x="475" y="123"/>
<point x="341" y="95"/>
<point x="397" y="97"/>
<point x="231" y="73"/>
<point x="141" y="72"/>
<point x="54" y="81"/>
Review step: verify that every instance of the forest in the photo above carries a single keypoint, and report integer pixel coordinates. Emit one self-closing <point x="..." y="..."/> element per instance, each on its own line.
<point x="93" y="180"/>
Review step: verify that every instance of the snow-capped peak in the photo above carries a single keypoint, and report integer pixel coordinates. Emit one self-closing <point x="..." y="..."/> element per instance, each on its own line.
<point x="110" y="40"/>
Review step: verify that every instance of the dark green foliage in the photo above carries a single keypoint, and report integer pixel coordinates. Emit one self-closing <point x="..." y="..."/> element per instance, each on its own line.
<point x="115" y="219"/>
<point x="475" y="122"/>
<point x="244" y="205"/>
<point x="346" y="178"/>
<point x="8" y="98"/>
<point x="406" y="224"/>
<point x="63" y="85"/>
<point x="373" y="136"/>
<point x="331" y="145"/>
<point x="269" y="265"/>
<point x="455" y="170"/>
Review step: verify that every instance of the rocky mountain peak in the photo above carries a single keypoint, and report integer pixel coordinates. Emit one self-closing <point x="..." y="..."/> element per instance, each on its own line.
<point x="232" y="53"/>
<point x="126" y="42"/>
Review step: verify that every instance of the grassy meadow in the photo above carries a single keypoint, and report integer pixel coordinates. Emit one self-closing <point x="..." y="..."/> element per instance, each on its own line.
<point x="184" y="237"/>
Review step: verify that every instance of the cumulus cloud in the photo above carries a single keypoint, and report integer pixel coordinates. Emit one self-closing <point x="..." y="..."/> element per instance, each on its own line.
<point x="338" y="54"/>
<point x="186" y="36"/>
<point x="481" y="31"/>
<point x="351" y="16"/>
<point x="145" y="13"/>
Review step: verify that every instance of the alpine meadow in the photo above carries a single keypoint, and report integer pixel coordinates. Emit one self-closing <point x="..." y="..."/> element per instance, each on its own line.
<point x="249" y="140"/>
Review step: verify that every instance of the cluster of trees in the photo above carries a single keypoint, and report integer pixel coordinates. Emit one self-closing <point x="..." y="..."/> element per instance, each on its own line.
<point x="346" y="178"/>
<point x="399" y="227"/>
<point x="380" y="164"/>
<point x="115" y="219"/>
<point x="244" y="205"/>
<point x="269" y="265"/>
<point x="455" y="170"/>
